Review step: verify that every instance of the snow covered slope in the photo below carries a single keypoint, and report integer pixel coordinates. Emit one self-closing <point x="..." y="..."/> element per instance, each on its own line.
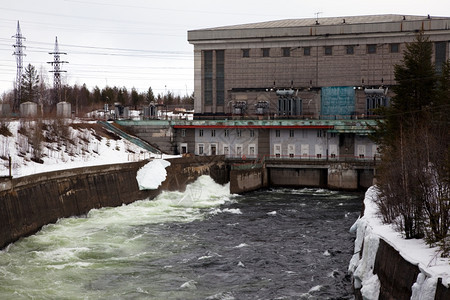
<point x="62" y="145"/>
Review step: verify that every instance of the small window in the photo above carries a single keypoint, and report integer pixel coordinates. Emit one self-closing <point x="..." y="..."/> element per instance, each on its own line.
<point x="226" y="133"/>
<point x="307" y="51"/>
<point x="252" y="133"/>
<point x="277" y="133"/>
<point x="200" y="149"/>
<point x="394" y="48"/>
<point x="328" y="50"/>
<point x="183" y="132"/>
<point x="350" y="49"/>
<point x="213" y="132"/>
<point x="372" y="48"/>
<point x="251" y="150"/>
<point x="266" y="52"/>
<point x="291" y="133"/>
<point x="200" y="132"/>
<point x="245" y="52"/>
<point x="238" y="132"/>
<point x="286" y="52"/>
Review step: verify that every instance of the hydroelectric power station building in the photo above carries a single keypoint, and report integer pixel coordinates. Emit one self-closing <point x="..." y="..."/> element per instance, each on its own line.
<point x="300" y="88"/>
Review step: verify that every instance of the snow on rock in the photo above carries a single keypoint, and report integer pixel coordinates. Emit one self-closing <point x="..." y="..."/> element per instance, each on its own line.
<point x="151" y="175"/>
<point x="371" y="288"/>
<point x="424" y="288"/>
<point x="369" y="229"/>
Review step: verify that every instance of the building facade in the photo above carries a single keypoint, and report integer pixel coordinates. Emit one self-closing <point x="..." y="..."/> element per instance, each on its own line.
<point x="295" y="89"/>
<point x="320" y="68"/>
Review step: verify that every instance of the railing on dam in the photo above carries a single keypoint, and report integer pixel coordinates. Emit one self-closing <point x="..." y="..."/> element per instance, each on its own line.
<point x="304" y="159"/>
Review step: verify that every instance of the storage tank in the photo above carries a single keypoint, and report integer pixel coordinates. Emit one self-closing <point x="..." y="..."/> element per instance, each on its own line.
<point x="5" y="109"/>
<point x="28" y="109"/>
<point x="64" y="109"/>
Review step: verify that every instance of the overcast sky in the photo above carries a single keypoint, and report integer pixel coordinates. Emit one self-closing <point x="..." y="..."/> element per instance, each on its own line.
<point x="141" y="44"/>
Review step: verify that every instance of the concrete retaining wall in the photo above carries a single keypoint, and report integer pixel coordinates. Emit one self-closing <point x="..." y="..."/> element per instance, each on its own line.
<point x="242" y="181"/>
<point x="297" y="177"/>
<point x="397" y="276"/>
<point x="28" y="203"/>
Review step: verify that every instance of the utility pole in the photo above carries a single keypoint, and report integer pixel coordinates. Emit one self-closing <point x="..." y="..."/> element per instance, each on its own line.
<point x="56" y="63"/>
<point x="18" y="53"/>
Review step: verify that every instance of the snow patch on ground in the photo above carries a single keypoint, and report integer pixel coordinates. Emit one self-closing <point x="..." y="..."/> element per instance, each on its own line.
<point x="150" y="176"/>
<point x="369" y="229"/>
<point x="83" y="147"/>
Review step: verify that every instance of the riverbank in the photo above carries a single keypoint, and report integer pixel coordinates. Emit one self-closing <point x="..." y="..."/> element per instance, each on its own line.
<point x="30" y="202"/>
<point x="387" y="266"/>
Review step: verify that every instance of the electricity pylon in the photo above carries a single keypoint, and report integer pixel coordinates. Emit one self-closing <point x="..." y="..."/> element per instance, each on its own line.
<point x="18" y="53"/>
<point x="56" y="63"/>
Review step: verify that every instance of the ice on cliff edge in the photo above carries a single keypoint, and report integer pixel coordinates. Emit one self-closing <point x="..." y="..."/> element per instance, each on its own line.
<point x="369" y="229"/>
<point x="150" y="176"/>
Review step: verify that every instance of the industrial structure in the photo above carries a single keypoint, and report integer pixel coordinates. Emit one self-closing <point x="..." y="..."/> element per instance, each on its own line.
<point x="19" y="54"/>
<point x="56" y="64"/>
<point x="303" y="88"/>
<point x="321" y="68"/>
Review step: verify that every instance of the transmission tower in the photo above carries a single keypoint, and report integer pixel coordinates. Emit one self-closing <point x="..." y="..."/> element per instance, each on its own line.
<point x="56" y="63"/>
<point x="18" y="53"/>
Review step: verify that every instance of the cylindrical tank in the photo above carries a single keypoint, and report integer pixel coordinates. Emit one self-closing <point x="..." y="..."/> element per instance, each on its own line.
<point x="28" y="109"/>
<point x="64" y="110"/>
<point x="5" y="109"/>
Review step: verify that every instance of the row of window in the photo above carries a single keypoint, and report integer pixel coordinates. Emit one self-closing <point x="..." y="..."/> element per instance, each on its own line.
<point x="304" y="151"/>
<point x="226" y="132"/>
<point x="226" y="150"/>
<point x="328" y="50"/>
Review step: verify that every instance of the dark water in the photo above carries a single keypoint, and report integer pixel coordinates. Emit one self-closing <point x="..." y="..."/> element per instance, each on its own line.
<point x="278" y="244"/>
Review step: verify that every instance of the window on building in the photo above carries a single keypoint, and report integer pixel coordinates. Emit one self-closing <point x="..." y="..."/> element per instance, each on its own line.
<point x="350" y="49"/>
<point x="307" y="51"/>
<point x="245" y="52"/>
<point x="265" y="52"/>
<point x="395" y="48"/>
<point x="239" y="150"/>
<point x="200" y="132"/>
<point x="328" y="50"/>
<point x="220" y="77"/>
<point x="372" y="48"/>
<point x="208" y="77"/>
<point x="226" y="133"/>
<point x="213" y="132"/>
<point x="201" y="149"/>
<point x="238" y="132"/>
<point x="286" y="52"/>
<point x="251" y="150"/>
<point x="183" y="132"/>
<point x="291" y="133"/>
<point x="440" y="55"/>
<point x="319" y="133"/>
<point x="252" y="133"/>
<point x="226" y="150"/>
<point x="277" y="133"/>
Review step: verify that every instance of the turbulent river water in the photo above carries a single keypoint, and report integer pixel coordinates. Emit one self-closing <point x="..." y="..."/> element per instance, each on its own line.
<point x="200" y="244"/>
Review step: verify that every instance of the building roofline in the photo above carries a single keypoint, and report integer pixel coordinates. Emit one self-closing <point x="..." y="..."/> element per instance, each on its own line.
<point x="324" y="26"/>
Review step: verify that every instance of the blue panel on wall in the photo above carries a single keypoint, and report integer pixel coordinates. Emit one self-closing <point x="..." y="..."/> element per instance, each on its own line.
<point x="338" y="102"/>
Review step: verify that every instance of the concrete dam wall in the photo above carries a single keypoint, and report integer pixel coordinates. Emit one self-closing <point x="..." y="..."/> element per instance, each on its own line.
<point x="28" y="203"/>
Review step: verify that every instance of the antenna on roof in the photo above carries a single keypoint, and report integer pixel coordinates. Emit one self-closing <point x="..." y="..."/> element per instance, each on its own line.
<point x="317" y="17"/>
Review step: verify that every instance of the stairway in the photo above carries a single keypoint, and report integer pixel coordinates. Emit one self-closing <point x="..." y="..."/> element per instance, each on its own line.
<point x="129" y="138"/>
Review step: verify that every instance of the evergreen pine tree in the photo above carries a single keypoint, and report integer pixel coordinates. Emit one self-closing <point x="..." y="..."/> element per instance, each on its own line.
<point x="30" y="84"/>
